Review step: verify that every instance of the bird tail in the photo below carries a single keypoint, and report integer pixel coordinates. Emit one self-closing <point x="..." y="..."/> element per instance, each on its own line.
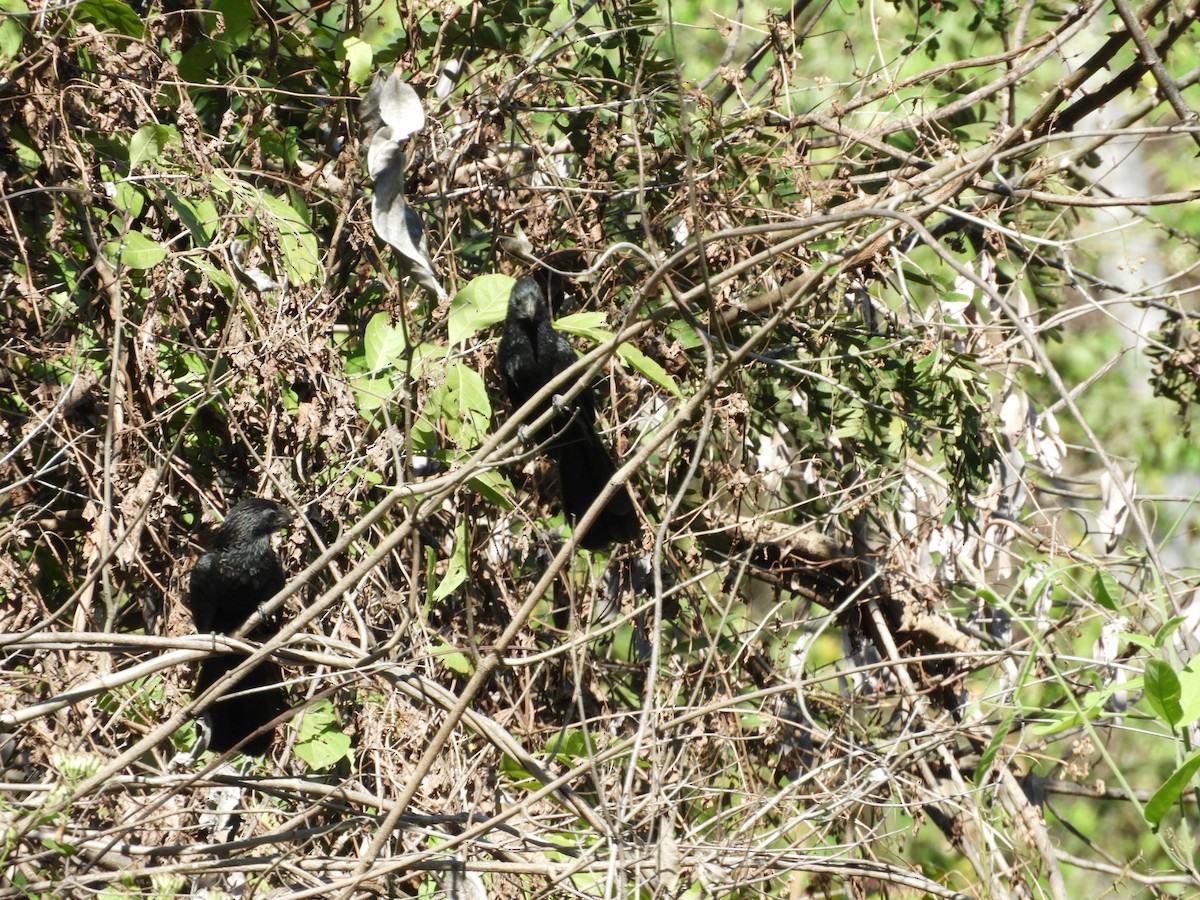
<point x="233" y="719"/>
<point x="584" y="470"/>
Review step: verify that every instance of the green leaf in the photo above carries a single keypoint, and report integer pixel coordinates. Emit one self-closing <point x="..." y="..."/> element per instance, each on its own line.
<point x="1105" y="590"/>
<point x="196" y="63"/>
<point x="236" y="18"/>
<point x="137" y="251"/>
<point x="1167" y="795"/>
<point x="456" y="571"/>
<point x="481" y="303"/>
<point x="57" y="847"/>
<point x="464" y="403"/>
<point x="370" y="393"/>
<point x="590" y="325"/>
<point x="493" y="486"/>
<point x="316" y="719"/>
<point x="319" y="742"/>
<point x="454" y="660"/>
<point x="383" y="343"/>
<point x="570" y="746"/>
<point x="1163" y="691"/>
<point x="928" y="361"/>
<point x="148" y="142"/>
<point x="111" y="15"/>
<point x="325" y="751"/>
<point x="425" y="434"/>
<point x="219" y="278"/>
<point x="1091" y="705"/>
<point x="358" y="54"/>
<point x="197" y="216"/>
<point x="11" y="31"/>
<point x="1189" y="695"/>
<point x="516" y="774"/>
<point x="685" y="334"/>
<point x="1142" y="640"/>
<point x="649" y="368"/>
<point x="367" y="475"/>
<point x="993" y="747"/>
<point x="26" y="149"/>
<point x="129" y="199"/>
<point x="297" y="241"/>
<point x="1167" y="629"/>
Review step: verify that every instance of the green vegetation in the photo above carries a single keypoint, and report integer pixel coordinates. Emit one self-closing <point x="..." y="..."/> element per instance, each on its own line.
<point x="892" y="305"/>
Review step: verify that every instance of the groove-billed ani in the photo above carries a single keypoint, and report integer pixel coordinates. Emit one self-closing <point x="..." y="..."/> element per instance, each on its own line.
<point x="531" y="354"/>
<point x="228" y="585"/>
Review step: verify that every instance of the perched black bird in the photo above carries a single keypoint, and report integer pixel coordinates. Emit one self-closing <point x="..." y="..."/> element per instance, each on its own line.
<point x="531" y="354"/>
<point x="228" y="585"/>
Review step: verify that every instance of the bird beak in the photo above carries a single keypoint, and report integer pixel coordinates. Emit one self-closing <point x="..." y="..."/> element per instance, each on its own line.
<point x="526" y="299"/>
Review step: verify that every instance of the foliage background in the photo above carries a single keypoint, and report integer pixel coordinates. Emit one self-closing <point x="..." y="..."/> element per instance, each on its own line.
<point x="896" y="304"/>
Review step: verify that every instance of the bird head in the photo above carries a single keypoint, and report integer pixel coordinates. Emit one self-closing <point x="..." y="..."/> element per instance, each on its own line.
<point x="250" y="520"/>
<point x="527" y="302"/>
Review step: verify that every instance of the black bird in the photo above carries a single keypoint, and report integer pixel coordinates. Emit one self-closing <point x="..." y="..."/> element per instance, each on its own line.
<point x="531" y="354"/>
<point x="227" y="586"/>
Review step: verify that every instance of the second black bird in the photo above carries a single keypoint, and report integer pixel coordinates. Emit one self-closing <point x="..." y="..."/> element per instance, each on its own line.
<point x="531" y="354"/>
<point x="228" y="584"/>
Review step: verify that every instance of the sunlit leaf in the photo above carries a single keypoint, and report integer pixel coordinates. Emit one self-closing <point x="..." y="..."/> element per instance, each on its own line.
<point x="136" y="251"/>
<point x="591" y="325"/>
<point x="1105" y="590"/>
<point x="11" y="32"/>
<point x="390" y="113"/>
<point x="454" y="660"/>
<point x="301" y="255"/>
<point x="1189" y="694"/>
<point x="297" y="242"/>
<point x="993" y="747"/>
<point x="196" y="215"/>
<point x="649" y="368"/>
<point x="1172" y="789"/>
<point x="481" y="303"/>
<point x="129" y="198"/>
<point x="570" y="746"/>
<point x="516" y="774"/>
<point x="148" y="142"/>
<point x="456" y="570"/>
<point x="359" y="57"/>
<point x="1163" y="691"/>
<point x="464" y="403"/>
<point x="110" y="15"/>
<point x="493" y="486"/>
<point x="1091" y="705"/>
<point x="383" y="342"/>
<point x="319" y="740"/>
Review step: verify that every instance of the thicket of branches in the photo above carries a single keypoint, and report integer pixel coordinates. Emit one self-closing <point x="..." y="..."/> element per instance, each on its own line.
<point x="876" y="297"/>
